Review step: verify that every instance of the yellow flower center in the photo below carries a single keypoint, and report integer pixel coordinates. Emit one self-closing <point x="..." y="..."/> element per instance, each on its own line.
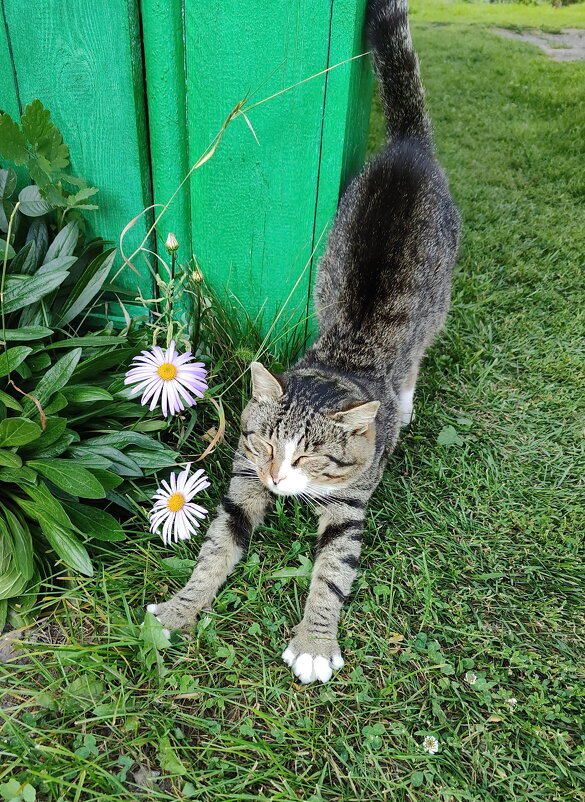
<point x="167" y="371"/>
<point x="176" y="502"/>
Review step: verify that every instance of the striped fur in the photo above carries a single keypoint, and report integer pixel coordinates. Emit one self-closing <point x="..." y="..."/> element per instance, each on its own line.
<point x="323" y="431"/>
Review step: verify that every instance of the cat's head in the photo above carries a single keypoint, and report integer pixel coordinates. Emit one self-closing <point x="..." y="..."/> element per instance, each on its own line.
<point x="297" y="448"/>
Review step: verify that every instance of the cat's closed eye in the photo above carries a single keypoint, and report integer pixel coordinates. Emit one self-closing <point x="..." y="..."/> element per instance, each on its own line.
<point x="258" y="445"/>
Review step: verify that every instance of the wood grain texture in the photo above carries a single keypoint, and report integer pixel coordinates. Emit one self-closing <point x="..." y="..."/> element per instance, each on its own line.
<point x="255" y="207"/>
<point x="83" y="61"/>
<point x="8" y="80"/>
<point x="164" y="56"/>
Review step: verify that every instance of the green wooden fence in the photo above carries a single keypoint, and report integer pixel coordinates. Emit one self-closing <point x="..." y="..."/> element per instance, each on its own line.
<point x="140" y="90"/>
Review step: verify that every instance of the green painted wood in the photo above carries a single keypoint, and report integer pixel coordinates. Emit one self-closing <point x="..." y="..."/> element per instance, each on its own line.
<point x="8" y="81"/>
<point x="83" y="61"/>
<point x="258" y="208"/>
<point x="166" y="89"/>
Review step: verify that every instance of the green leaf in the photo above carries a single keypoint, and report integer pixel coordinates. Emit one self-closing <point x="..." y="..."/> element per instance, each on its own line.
<point x="53" y="380"/>
<point x="3" y="617"/>
<point x="58" y="263"/>
<point x="21" y="291"/>
<point x="36" y="122"/>
<point x="417" y="778"/>
<point x="23" y="545"/>
<point x="89" y="341"/>
<point x="68" y="548"/>
<point x="18" y="476"/>
<point x="115" y="460"/>
<point x="107" y="479"/>
<point x="122" y="439"/>
<point x="448" y="437"/>
<point x="10" y="402"/>
<point x="84" y="393"/>
<point x="18" y="432"/>
<point x="64" y="243"/>
<point x="4" y="246"/>
<point x="39" y="234"/>
<point x="32" y="203"/>
<point x="45" y="503"/>
<point x="96" y="523"/>
<point x="58" y="403"/>
<point x="168" y="758"/>
<point x="69" y="476"/>
<point x="26" y="333"/>
<point x="7" y="183"/>
<point x="12" y="358"/>
<point x="8" y="459"/>
<point x="152" y="460"/>
<point x="54" y="428"/>
<point x="12" y="141"/>
<point x="152" y="633"/>
<point x="88" y="286"/>
<point x="58" y="447"/>
<point x="25" y="260"/>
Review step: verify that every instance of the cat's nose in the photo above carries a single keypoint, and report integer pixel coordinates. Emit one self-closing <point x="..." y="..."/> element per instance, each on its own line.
<point x="276" y="479"/>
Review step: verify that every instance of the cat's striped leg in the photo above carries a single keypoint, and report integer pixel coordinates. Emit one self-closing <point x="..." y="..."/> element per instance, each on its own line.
<point x="314" y="653"/>
<point x="226" y="540"/>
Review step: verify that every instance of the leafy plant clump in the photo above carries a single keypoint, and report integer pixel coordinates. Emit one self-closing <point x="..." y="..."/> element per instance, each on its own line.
<point x="70" y="439"/>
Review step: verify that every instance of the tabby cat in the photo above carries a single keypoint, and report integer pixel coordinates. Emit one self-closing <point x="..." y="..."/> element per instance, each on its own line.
<point x="324" y="430"/>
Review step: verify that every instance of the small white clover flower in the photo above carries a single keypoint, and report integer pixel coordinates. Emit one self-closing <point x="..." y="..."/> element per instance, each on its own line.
<point x="430" y="745"/>
<point x="169" y="376"/>
<point x="512" y="702"/>
<point x="471" y="678"/>
<point x="173" y="508"/>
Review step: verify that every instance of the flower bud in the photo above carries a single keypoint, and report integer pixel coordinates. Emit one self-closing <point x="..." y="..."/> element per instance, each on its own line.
<point x="172" y="243"/>
<point x="197" y="276"/>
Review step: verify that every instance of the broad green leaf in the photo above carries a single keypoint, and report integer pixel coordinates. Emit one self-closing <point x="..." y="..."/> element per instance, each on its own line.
<point x="64" y="243"/>
<point x="7" y="183"/>
<point x="8" y="459"/>
<point x="107" y="479"/>
<point x="23" y="546"/>
<point x="3" y="613"/>
<point x="89" y="368"/>
<point x="54" y="379"/>
<point x="114" y="459"/>
<point x="152" y="633"/>
<point x="32" y="203"/>
<point x="67" y="546"/>
<point x="122" y="439"/>
<point x="12" y="141"/>
<point x="18" y="432"/>
<point x="152" y="460"/>
<point x="168" y="758"/>
<point x="58" y="447"/>
<point x="54" y="428"/>
<point x="88" y="286"/>
<point x="21" y="291"/>
<point x="47" y="504"/>
<point x="18" y="476"/>
<point x="69" y="476"/>
<point x="26" y="333"/>
<point x="38" y="233"/>
<point x="12" y="357"/>
<point x="12" y="581"/>
<point x="10" y="402"/>
<point x="448" y="437"/>
<point x="84" y="393"/>
<point x="25" y="260"/>
<point x="95" y="523"/>
<point x="58" y="263"/>
<point x="4" y="246"/>
<point x="36" y="122"/>
<point x="89" y="341"/>
<point x="58" y="403"/>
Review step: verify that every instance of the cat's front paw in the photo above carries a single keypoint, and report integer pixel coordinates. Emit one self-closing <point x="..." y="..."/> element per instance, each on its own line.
<point x="313" y="659"/>
<point x="175" y="614"/>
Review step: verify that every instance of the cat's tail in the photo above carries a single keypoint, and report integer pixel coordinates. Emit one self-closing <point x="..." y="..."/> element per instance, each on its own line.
<point x="397" y="70"/>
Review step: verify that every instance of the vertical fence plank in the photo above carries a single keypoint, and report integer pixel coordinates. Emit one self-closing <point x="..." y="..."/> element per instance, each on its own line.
<point x="8" y="87"/>
<point x="255" y="204"/>
<point x="164" y="55"/>
<point x="83" y="61"/>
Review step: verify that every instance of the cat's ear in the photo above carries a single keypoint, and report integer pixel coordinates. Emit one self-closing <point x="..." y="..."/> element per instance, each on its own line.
<point x="357" y="418"/>
<point x="264" y="384"/>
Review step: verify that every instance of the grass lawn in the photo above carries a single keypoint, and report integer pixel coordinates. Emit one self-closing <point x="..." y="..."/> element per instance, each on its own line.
<point x="467" y="620"/>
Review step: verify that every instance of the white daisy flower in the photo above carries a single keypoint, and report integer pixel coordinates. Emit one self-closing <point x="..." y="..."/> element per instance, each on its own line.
<point x="169" y="376"/>
<point x="173" y="508"/>
<point x="430" y="745"/>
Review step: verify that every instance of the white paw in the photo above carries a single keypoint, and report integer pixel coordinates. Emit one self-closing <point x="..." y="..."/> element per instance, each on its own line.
<point x="308" y="668"/>
<point x="152" y="608"/>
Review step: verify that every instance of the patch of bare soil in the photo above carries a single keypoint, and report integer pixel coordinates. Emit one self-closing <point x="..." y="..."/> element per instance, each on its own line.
<point x="566" y="46"/>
